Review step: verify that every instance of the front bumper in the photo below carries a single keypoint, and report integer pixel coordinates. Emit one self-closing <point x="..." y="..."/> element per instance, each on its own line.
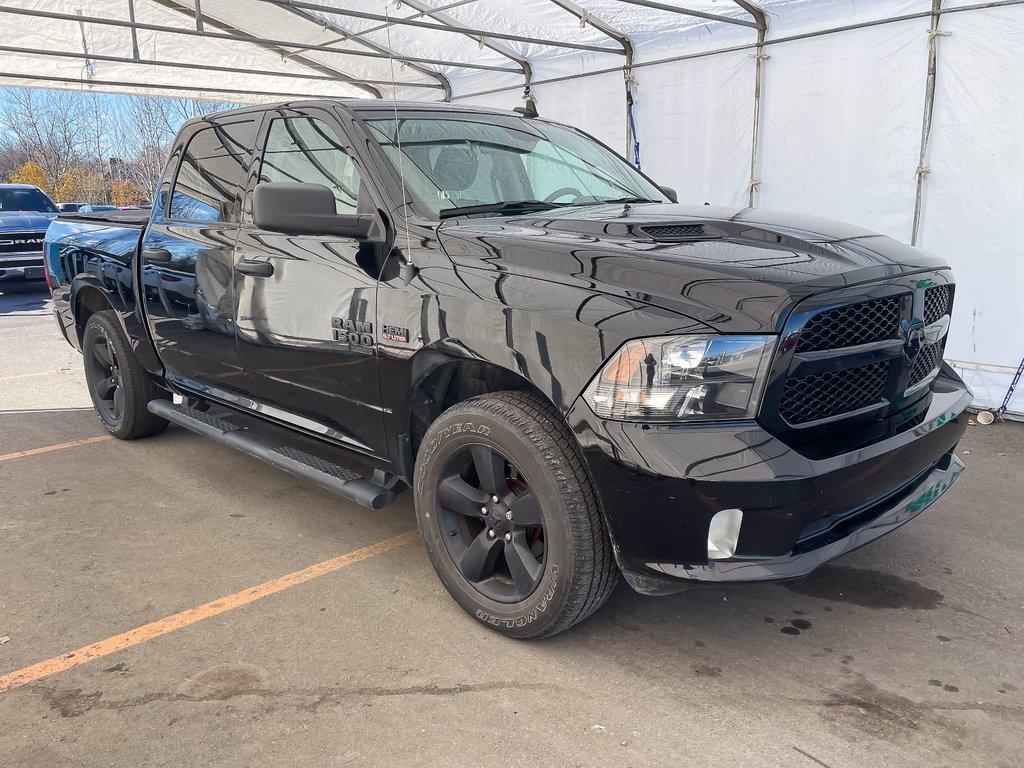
<point x="660" y="486"/>
<point x="22" y="272"/>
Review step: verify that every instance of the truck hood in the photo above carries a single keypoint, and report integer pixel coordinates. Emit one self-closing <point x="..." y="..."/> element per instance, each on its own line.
<point x="733" y="269"/>
<point x="21" y="221"/>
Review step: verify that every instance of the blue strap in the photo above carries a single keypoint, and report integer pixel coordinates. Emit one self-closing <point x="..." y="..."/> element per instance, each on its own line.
<point x="632" y="130"/>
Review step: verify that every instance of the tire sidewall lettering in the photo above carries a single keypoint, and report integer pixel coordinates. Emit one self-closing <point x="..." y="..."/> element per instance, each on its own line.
<point x="439" y="438"/>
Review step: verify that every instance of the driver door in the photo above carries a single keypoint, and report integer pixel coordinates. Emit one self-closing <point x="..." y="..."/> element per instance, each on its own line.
<point x="306" y="306"/>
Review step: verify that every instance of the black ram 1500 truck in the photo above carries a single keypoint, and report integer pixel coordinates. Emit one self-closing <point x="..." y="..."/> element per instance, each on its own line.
<point x="25" y="213"/>
<point x="575" y="375"/>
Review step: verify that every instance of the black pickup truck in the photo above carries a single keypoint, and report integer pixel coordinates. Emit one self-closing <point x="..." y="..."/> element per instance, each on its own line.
<point x="575" y="376"/>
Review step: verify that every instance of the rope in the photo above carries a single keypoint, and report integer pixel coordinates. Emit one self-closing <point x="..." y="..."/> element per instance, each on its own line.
<point x="1009" y="392"/>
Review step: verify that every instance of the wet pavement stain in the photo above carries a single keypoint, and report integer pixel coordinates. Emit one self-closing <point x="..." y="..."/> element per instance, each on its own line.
<point x="790" y="631"/>
<point x="944" y="686"/>
<point x="803" y="624"/>
<point x="866" y="588"/>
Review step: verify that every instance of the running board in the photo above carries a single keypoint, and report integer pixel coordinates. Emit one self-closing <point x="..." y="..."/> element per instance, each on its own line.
<point x="375" y="494"/>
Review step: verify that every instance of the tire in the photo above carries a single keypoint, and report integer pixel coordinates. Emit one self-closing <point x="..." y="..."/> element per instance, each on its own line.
<point x="548" y="530"/>
<point x="119" y="387"/>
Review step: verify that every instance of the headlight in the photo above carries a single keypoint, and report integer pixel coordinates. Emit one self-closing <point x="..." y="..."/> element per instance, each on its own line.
<point x="683" y="378"/>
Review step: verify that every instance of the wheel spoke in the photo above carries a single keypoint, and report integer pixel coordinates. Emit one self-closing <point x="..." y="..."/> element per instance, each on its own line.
<point x="522" y="564"/>
<point x="456" y="494"/>
<point x="104" y="388"/>
<point x="118" y="402"/>
<point x="477" y="562"/>
<point x="526" y="510"/>
<point x="490" y="469"/>
<point x="102" y="353"/>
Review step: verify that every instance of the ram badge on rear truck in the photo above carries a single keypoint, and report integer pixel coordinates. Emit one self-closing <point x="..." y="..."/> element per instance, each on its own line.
<point x="574" y="375"/>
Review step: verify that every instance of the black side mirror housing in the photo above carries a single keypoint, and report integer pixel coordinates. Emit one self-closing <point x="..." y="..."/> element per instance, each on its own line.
<point x="669" y="193"/>
<point x="305" y="209"/>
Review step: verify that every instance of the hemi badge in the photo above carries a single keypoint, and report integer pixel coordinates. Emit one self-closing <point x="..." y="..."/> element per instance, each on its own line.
<point x="394" y="333"/>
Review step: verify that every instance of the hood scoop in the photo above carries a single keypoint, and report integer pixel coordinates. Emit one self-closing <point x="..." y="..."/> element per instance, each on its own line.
<point x="674" y="233"/>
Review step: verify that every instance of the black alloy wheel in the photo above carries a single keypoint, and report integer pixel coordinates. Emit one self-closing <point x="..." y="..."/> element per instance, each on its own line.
<point x="120" y="388"/>
<point x="491" y="523"/>
<point x="104" y="376"/>
<point x="509" y="517"/>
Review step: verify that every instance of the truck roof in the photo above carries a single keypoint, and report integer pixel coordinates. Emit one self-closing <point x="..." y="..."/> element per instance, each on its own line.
<point x="355" y="105"/>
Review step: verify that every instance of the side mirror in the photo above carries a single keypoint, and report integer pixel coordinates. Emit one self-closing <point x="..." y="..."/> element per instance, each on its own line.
<point x="305" y="209"/>
<point x="669" y="193"/>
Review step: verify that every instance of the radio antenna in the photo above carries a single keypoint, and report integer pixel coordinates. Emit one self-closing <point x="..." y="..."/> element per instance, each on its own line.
<point x="398" y="140"/>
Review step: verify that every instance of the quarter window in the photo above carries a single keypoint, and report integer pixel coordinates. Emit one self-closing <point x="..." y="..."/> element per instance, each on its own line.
<point x="305" y="150"/>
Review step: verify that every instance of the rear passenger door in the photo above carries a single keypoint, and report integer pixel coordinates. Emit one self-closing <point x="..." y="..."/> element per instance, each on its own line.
<point x="306" y="305"/>
<point x="187" y="256"/>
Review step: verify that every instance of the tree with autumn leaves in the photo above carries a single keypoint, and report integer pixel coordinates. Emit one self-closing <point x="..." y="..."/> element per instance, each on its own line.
<point x="62" y="142"/>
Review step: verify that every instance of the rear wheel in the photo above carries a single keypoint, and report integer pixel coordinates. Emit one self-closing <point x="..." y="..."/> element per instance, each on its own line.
<point x="119" y="387"/>
<point x="509" y="517"/>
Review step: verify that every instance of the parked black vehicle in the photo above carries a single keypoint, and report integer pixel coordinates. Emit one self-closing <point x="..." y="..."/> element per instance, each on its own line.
<point x="575" y="375"/>
<point x="25" y="213"/>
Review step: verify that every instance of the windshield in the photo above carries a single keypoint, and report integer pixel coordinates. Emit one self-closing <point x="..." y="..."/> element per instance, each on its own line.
<point x="20" y="199"/>
<point x="468" y="161"/>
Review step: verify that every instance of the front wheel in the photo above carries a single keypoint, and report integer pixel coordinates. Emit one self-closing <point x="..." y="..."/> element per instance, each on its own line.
<point x="509" y="517"/>
<point x="119" y="387"/>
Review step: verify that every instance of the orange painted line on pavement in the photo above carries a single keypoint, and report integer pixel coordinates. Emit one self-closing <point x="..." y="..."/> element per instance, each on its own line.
<point x="48" y="448"/>
<point x="191" y="616"/>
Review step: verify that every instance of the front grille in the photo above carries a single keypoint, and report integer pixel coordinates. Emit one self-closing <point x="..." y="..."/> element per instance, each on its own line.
<point x="925" y="363"/>
<point x="21" y="242"/>
<point x="673" y="231"/>
<point x="819" y="396"/>
<point x="937" y="300"/>
<point x="862" y="323"/>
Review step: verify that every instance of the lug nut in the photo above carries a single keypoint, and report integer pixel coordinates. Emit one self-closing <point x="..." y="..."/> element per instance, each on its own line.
<point x="508" y="537"/>
<point x="483" y="510"/>
<point x="491" y="534"/>
<point x="495" y="499"/>
<point x="508" y="515"/>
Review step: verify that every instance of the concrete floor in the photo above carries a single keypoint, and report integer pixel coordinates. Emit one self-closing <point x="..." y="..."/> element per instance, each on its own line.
<point x="907" y="653"/>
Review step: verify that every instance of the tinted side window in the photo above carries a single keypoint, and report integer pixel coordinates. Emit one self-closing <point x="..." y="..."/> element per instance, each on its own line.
<point x="211" y="170"/>
<point x="306" y="150"/>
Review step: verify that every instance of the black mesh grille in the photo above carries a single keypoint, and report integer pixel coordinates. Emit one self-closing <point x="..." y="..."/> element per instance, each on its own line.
<point x="936" y="303"/>
<point x="674" y="231"/>
<point x="848" y="326"/>
<point x="809" y="398"/>
<point x="925" y="363"/>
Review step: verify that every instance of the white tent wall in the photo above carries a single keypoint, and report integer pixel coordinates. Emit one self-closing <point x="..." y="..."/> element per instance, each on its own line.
<point x="842" y="125"/>
<point x="974" y="194"/>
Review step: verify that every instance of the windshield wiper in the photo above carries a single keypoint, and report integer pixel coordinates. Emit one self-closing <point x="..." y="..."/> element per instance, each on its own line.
<point x="630" y="200"/>
<point x="506" y="206"/>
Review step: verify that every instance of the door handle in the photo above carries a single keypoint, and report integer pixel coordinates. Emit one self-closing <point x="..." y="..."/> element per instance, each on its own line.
<point x="255" y="268"/>
<point x="156" y="255"/>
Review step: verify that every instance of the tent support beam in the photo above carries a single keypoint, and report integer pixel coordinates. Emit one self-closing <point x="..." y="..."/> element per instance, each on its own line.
<point x="689" y="12"/>
<point x="417" y="15"/>
<point x="224" y="26"/>
<point x="357" y="37"/>
<point x="926" y="121"/>
<point x="451" y="26"/>
<point x="500" y="48"/>
<point x="623" y="40"/>
<point x="230" y="94"/>
<point x="246" y="38"/>
<point x="761" y="19"/>
<point x="135" y="32"/>
<point x="200" y="67"/>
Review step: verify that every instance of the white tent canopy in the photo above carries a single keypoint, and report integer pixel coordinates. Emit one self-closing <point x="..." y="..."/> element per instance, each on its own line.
<point x="904" y="116"/>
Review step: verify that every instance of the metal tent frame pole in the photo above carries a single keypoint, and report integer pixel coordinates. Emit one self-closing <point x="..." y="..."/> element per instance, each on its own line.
<point x="926" y="120"/>
<point x="759" y="58"/>
<point x="443" y="81"/>
<point x="246" y="38"/>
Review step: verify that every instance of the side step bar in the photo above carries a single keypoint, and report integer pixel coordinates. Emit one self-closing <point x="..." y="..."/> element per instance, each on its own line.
<point x="375" y="494"/>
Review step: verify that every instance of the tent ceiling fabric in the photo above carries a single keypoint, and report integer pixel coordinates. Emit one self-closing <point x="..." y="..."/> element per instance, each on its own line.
<point x="821" y="106"/>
